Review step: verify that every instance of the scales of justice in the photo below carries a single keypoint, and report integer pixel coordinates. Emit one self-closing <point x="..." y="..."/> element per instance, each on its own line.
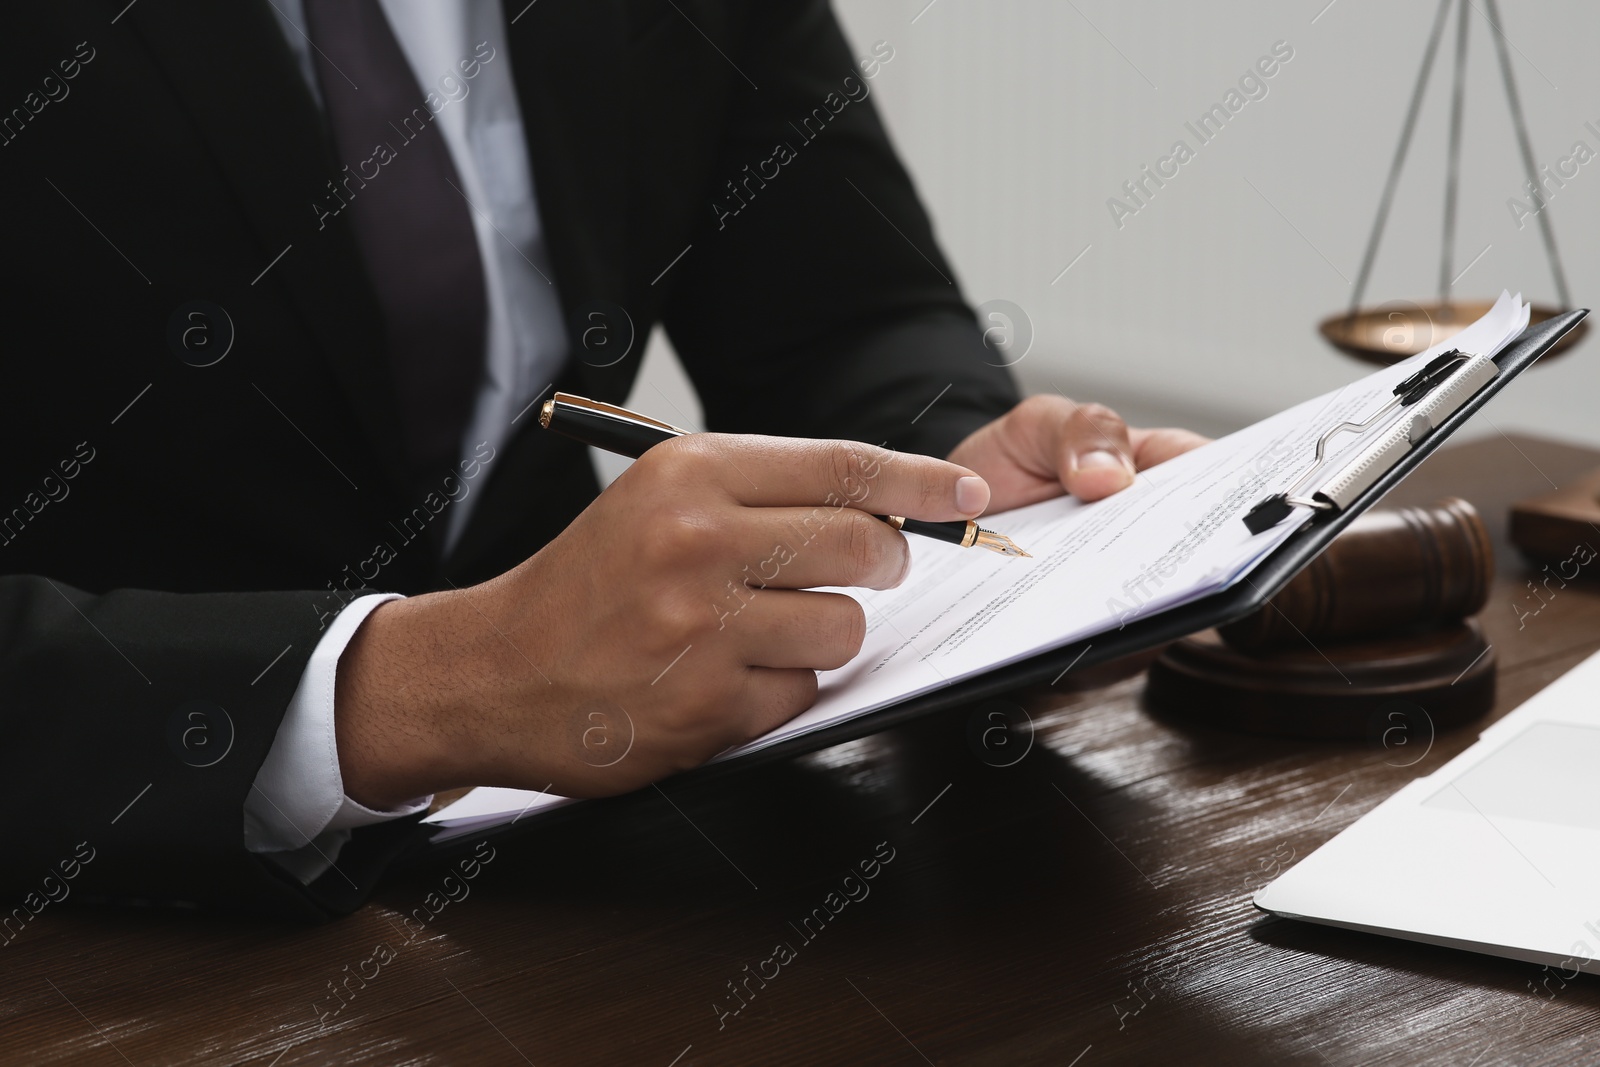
<point x="1546" y="527"/>
<point x="1388" y="609"/>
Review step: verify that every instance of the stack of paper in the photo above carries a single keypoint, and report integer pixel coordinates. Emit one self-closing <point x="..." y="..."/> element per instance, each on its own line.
<point x="1174" y="536"/>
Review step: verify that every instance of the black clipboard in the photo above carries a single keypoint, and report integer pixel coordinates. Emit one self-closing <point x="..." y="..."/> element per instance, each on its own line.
<point x="1265" y="579"/>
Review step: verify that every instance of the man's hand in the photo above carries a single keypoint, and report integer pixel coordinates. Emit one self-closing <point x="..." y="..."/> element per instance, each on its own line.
<point x="668" y="622"/>
<point x="1048" y="445"/>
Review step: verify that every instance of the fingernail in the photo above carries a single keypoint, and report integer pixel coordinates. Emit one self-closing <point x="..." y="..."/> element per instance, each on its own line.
<point x="972" y="495"/>
<point x="905" y="564"/>
<point x="1100" y="459"/>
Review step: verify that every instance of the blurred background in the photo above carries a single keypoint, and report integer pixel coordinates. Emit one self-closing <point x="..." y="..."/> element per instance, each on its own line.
<point x="1020" y="119"/>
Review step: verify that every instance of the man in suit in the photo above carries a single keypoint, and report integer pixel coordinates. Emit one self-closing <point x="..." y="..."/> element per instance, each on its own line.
<point x="284" y="551"/>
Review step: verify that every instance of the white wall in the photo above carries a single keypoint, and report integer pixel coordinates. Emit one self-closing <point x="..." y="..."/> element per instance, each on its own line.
<point x="1020" y="118"/>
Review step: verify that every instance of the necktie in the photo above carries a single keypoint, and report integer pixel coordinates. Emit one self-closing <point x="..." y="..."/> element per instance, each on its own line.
<point x="412" y="225"/>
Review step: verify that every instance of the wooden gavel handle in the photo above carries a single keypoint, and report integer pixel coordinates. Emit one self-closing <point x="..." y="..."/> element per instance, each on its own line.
<point x="1390" y="572"/>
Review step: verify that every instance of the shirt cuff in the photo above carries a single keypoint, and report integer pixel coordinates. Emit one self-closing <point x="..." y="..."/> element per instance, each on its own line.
<point x="298" y="795"/>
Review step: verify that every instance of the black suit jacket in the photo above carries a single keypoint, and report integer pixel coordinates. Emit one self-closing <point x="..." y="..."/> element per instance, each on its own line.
<point x="175" y="537"/>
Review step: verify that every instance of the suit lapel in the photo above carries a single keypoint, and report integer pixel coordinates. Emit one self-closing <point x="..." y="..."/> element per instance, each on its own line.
<point x="569" y="60"/>
<point x="235" y="76"/>
<point x="238" y="80"/>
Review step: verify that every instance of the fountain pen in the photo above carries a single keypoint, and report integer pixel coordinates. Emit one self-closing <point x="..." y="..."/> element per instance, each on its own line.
<point x="628" y="433"/>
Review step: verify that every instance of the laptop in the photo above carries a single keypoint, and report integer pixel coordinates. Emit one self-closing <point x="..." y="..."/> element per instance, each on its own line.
<point x="1498" y="851"/>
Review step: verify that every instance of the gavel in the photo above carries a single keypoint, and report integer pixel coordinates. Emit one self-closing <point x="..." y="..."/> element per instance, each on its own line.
<point x="1391" y="572"/>
<point x="1375" y="631"/>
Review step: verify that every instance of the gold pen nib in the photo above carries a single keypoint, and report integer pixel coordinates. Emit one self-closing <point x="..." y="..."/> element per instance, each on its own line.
<point x="998" y="542"/>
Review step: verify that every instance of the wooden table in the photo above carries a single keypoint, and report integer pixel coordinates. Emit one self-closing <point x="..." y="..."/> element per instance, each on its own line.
<point x="1087" y="905"/>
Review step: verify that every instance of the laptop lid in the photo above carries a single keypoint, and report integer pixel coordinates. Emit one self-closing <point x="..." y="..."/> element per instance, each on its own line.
<point x="1498" y="851"/>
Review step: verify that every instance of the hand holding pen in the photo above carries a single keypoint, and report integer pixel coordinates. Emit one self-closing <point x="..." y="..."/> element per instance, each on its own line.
<point x="686" y="609"/>
<point x="628" y="433"/>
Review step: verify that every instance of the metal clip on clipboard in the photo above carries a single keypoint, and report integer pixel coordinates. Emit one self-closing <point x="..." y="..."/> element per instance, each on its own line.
<point x="1434" y="392"/>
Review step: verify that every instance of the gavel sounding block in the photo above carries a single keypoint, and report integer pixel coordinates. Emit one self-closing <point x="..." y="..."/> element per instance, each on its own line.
<point x="1377" y="626"/>
<point x="1558" y="526"/>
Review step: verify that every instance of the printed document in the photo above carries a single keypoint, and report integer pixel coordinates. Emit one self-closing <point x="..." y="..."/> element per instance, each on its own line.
<point x="1176" y="535"/>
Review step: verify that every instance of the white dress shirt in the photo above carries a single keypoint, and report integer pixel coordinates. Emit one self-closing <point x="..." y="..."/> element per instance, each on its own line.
<point x="297" y="810"/>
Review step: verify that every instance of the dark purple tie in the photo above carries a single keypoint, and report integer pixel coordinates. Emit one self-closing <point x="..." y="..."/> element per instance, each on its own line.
<point x="411" y="223"/>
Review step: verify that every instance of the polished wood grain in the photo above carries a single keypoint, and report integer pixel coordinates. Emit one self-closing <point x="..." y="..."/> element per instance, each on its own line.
<point x="1088" y="903"/>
